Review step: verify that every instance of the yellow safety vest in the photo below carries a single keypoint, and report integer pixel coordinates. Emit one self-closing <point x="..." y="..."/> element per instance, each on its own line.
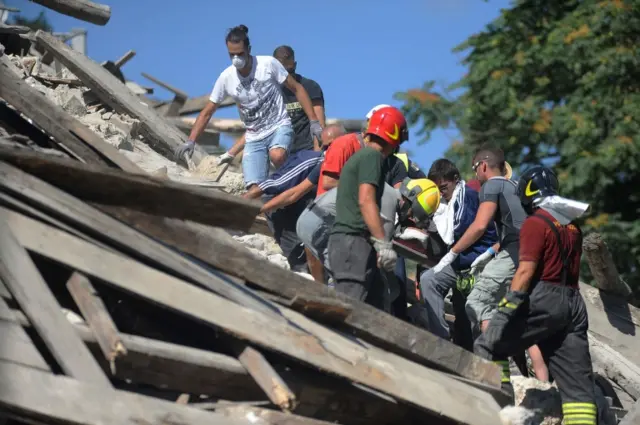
<point x="404" y="158"/>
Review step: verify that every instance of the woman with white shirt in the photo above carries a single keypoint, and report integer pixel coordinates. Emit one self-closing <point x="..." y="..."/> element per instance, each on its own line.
<point x="254" y="82"/>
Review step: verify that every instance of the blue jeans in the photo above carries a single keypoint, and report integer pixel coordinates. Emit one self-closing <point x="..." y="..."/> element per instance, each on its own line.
<point x="255" y="159"/>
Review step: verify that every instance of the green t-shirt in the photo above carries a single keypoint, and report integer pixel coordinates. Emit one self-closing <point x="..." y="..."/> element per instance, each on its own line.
<point x="365" y="166"/>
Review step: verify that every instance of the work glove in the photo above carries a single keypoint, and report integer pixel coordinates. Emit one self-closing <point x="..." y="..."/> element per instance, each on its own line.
<point x="387" y="257"/>
<point x="315" y="129"/>
<point x="483" y="258"/>
<point x="186" y="148"/>
<point x="224" y="158"/>
<point x="449" y="258"/>
<point x="511" y="302"/>
<point x="465" y="282"/>
<point x="411" y="233"/>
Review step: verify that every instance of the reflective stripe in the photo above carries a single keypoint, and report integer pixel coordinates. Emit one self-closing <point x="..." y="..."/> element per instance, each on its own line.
<point x="505" y="371"/>
<point x="404" y="158"/>
<point x="580" y="413"/>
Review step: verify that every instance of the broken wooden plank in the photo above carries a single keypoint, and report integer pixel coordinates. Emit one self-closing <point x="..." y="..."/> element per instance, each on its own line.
<point x="35" y="394"/>
<point x="85" y="10"/>
<point x="57" y="80"/>
<point x="193" y="105"/>
<point x="605" y="273"/>
<point x="434" y="392"/>
<point x="267" y="378"/>
<point x="16" y="345"/>
<point x="113" y="187"/>
<point x="96" y="315"/>
<point x="13" y="29"/>
<point x="633" y="416"/>
<point x="181" y="368"/>
<point x="9" y="9"/>
<point x="125" y="58"/>
<point x="323" y="308"/>
<point x="20" y="275"/>
<point x="166" y="86"/>
<point x="64" y="128"/>
<point x="217" y="248"/>
<point x="105" y="228"/>
<point x="162" y="136"/>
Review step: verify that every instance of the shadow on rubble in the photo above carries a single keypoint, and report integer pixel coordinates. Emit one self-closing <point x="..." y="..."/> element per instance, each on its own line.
<point x="618" y="312"/>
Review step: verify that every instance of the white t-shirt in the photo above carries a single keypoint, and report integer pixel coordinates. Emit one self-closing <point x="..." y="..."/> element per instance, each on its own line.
<point x="258" y="95"/>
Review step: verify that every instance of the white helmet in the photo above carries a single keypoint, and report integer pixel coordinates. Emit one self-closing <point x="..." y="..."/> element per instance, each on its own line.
<point x="375" y="108"/>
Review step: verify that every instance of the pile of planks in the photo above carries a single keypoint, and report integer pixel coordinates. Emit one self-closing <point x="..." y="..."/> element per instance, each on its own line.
<point x="123" y="298"/>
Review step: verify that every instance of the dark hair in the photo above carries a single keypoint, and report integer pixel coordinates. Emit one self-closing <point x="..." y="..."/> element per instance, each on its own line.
<point x="492" y="155"/>
<point x="443" y="169"/>
<point x="238" y="34"/>
<point x="284" y="52"/>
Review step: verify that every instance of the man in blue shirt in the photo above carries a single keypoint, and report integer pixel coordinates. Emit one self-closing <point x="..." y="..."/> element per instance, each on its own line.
<point x="464" y="203"/>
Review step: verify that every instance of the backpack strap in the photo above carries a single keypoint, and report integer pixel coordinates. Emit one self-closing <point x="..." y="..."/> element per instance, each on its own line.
<point x="360" y="139"/>
<point x="563" y="250"/>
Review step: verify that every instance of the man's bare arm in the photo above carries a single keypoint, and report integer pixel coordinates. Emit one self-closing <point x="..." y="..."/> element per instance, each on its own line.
<point x="238" y="146"/>
<point x="203" y="119"/>
<point x="302" y="96"/>
<point x="288" y="197"/>
<point x="328" y="182"/>
<point x="370" y="210"/>
<point x="318" y="108"/>
<point x="522" y="279"/>
<point x="484" y="216"/>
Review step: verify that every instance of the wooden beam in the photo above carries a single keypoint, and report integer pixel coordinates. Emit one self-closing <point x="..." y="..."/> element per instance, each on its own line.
<point x="16" y="345"/>
<point x="85" y="10"/>
<point x="159" y="134"/>
<point x="13" y="29"/>
<point x="217" y="248"/>
<point x="9" y="9"/>
<point x="267" y="378"/>
<point x="191" y="370"/>
<point x="65" y="129"/>
<point x="20" y="275"/>
<point x="602" y="266"/>
<point x="615" y="366"/>
<point x="34" y="394"/>
<point x="141" y="192"/>
<point x="235" y="126"/>
<point x="96" y="315"/>
<point x="125" y="58"/>
<point x="166" y="86"/>
<point x="193" y="105"/>
<point x="435" y="393"/>
<point x="104" y="228"/>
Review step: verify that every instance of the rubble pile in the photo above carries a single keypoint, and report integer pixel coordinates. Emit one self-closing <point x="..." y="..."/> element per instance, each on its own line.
<point x="123" y="272"/>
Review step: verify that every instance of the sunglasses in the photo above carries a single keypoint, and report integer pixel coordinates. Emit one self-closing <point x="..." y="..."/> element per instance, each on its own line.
<point x="475" y="166"/>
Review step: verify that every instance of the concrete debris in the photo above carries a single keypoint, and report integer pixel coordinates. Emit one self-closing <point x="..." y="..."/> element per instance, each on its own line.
<point x="75" y="106"/>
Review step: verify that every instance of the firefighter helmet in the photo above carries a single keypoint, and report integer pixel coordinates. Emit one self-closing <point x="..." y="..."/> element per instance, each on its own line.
<point x="535" y="184"/>
<point x="374" y="109"/>
<point x="422" y="196"/>
<point x="389" y="124"/>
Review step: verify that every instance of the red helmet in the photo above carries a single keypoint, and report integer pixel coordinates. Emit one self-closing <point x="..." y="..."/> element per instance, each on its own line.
<point x="389" y="124"/>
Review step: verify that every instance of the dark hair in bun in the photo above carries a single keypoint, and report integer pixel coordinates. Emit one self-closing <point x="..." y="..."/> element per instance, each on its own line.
<point x="239" y="34"/>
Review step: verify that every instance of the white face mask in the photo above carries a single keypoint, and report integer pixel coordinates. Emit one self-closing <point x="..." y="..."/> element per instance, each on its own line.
<point x="239" y="62"/>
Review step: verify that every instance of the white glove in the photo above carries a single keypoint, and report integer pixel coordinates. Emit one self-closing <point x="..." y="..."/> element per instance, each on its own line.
<point x="413" y="233"/>
<point x="387" y="257"/>
<point x="445" y="261"/>
<point x="224" y="158"/>
<point x="483" y="258"/>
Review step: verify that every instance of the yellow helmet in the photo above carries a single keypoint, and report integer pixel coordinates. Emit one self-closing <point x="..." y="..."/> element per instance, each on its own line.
<point x="424" y="196"/>
<point x="508" y="171"/>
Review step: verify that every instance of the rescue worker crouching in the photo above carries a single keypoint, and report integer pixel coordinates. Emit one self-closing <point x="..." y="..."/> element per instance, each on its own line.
<point x="357" y="244"/>
<point x="544" y="305"/>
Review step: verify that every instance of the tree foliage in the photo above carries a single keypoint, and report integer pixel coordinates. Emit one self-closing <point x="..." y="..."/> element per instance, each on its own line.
<point x="556" y="82"/>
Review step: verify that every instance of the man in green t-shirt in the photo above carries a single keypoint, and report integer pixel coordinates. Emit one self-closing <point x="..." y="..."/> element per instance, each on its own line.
<point x="357" y="245"/>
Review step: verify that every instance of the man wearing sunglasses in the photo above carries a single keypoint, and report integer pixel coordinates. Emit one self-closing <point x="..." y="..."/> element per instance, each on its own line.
<point x="499" y="204"/>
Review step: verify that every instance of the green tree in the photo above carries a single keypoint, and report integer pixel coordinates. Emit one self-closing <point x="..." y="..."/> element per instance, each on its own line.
<point x="38" y="23"/>
<point x="556" y="82"/>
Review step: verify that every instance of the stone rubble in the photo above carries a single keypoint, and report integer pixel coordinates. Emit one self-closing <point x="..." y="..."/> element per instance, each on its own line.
<point x="538" y="402"/>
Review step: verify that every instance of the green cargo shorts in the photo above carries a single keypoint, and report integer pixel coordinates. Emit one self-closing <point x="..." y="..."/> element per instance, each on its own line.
<point x="491" y="284"/>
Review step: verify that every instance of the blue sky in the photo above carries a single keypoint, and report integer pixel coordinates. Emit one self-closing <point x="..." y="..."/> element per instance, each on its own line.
<point x="360" y="52"/>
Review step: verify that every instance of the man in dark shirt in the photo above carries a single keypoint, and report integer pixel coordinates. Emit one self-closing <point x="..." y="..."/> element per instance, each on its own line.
<point x="544" y="305"/>
<point x="302" y="136"/>
<point x="357" y="245"/>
